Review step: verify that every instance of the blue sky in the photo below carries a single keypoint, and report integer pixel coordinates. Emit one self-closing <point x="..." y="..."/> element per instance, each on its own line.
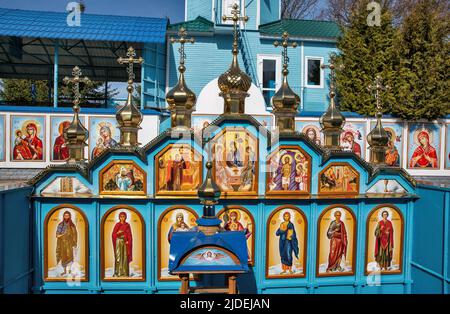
<point x="174" y="9"/>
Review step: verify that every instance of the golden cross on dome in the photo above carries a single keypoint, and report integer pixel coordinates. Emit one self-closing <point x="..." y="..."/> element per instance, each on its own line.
<point x="332" y="68"/>
<point x="182" y="40"/>
<point x="236" y="18"/>
<point x="285" y="44"/>
<point x="378" y="87"/>
<point x="130" y="60"/>
<point x="76" y="73"/>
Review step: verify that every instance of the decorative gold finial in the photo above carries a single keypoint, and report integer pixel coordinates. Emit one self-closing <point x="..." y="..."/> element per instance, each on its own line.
<point x="209" y="194"/>
<point x="181" y="99"/>
<point x="285" y="102"/>
<point x="332" y="120"/>
<point x="378" y="138"/>
<point x="76" y="134"/>
<point x="129" y="117"/>
<point x="234" y="83"/>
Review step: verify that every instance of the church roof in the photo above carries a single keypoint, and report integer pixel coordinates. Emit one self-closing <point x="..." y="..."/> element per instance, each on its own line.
<point x="301" y="28"/>
<point x="200" y="25"/>
<point x="44" y="24"/>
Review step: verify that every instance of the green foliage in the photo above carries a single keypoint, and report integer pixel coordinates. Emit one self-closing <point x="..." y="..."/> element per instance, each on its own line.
<point x="366" y="51"/>
<point x="16" y="90"/>
<point x="412" y="59"/>
<point x="423" y="85"/>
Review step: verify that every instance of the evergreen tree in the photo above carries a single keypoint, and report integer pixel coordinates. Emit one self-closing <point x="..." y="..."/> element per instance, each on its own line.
<point x="423" y="85"/>
<point x="24" y="90"/>
<point x="365" y="52"/>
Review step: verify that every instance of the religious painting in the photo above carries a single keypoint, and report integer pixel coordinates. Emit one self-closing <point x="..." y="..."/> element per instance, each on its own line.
<point x="384" y="248"/>
<point x="237" y="218"/>
<point x="289" y="172"/>
<point x="27" y="138"/>
<point x="339" y="179"/>
<point x="336" y="242"/>
<point x="66" y="237"/>
<point x="123" y="177"/>
<point x="174" y="219"/>
<point x="123" y="245"/>
<point x="103" y="134"/>
<point x="66" y="187"/>
<point x="210" y="256"/>
<point x="311" y="129"/>
<point x="394" y="150"/>
<point x="2" y="137"/>
<point x="386" y="187"/>
<point x="286" y="243"/>
<point x="424" y="146"/>
<point x="178" y="170"/>
<point x="59" y="149"/>
<point x="353" y="138"/>
<point x="235" y="162"/>
<point x="447" y="146"/>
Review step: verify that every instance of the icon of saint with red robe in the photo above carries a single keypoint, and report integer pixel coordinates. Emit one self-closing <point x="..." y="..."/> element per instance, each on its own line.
<point x="424" y="155"/>
<point x="384" y="242"/>
<point x="122" y="239"/>
<point x="60" y="150"/>
<point x="338" y="243"/>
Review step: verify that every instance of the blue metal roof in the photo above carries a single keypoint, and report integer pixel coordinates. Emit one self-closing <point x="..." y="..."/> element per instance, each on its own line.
<point x="53" y="25"/>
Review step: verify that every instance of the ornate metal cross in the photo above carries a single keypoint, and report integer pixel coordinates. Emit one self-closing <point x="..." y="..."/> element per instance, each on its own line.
<point x="236" y="18"/>
<point x="332" y="68"/>
<point x="285" y="44"/>
<point x="182" y="40"/>
<point x="378" y="87"/>
<point x="76" y="73"/>
<point x="130" y="60"/>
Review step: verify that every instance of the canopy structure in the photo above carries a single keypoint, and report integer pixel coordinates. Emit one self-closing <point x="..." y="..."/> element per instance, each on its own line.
<point x="41" y="45"/>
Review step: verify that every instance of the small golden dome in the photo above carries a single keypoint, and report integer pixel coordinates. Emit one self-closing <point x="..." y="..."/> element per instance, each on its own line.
<point x="378" y="135"/>
<point x="234" y="80"/>
<point x="285" y="99"/>
<point x="181" y="97"/>
<point x="76" y="133"/>
<point x="332" y="118"/>
<point x="129" y="115"/>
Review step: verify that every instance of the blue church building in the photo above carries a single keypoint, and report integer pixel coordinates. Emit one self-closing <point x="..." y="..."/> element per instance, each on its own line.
<point x="260" y="59"/>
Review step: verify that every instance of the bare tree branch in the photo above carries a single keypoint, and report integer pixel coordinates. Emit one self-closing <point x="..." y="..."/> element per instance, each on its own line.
<point x="297" y="9"/>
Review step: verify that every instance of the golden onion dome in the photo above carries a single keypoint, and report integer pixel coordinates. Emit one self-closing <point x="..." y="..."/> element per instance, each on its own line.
<point x="129" y="115"/>
<point x="234" y="79"/>
<point x="332" y="118"/>
<point x="378" y="135"/>
<point x="76" y="133"/>
<point x="181" y="96"/>
<point x="285" y="99"/>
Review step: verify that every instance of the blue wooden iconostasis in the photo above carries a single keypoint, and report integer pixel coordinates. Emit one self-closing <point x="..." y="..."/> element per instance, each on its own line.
<point x="370" y="191"/>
